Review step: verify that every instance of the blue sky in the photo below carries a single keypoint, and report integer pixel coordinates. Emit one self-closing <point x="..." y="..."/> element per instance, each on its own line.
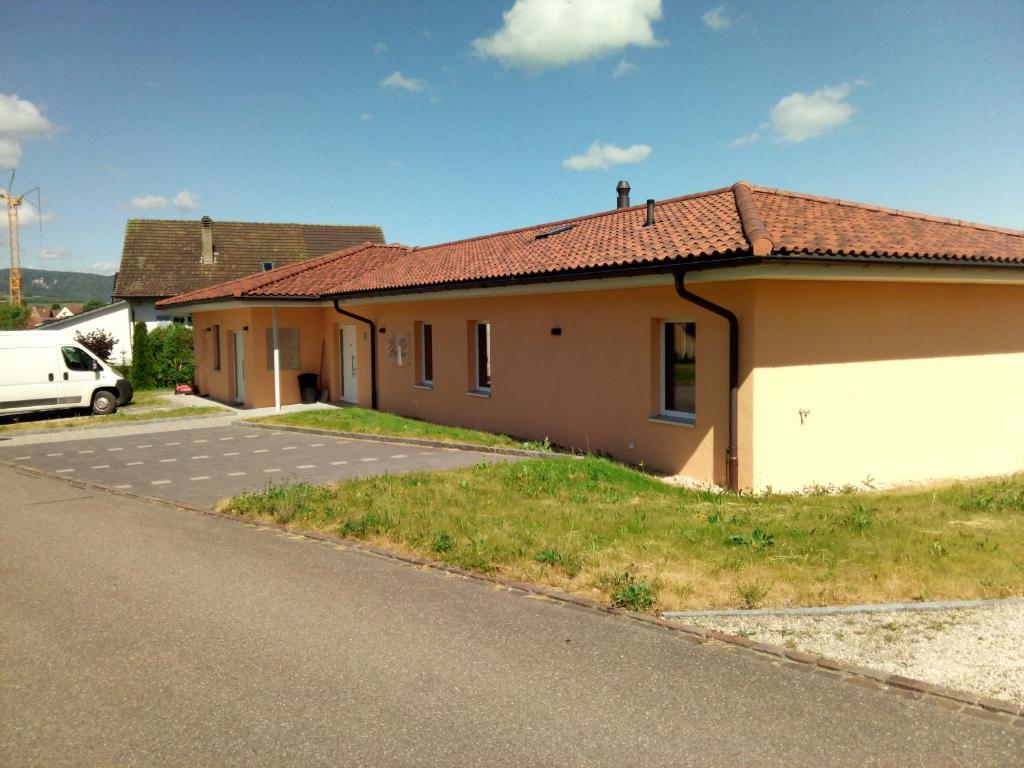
<point x="446" y="120"/>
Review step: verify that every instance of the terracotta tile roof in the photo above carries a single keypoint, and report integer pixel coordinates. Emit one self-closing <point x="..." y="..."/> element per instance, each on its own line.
<point x="738" y="221"/>
<point x="162" y="258"/>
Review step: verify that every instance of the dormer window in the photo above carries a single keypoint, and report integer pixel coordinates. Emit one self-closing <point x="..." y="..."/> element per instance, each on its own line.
<point x="267" y="266"/>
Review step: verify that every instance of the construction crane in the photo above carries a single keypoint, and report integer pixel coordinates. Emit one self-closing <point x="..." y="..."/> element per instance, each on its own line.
<point x="14" y="295"/>
<point x="14" y="287"/>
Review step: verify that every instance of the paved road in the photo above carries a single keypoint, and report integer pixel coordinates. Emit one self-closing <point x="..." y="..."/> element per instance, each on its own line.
<point x="139" y="635"/>
<point x="201" y="465"/>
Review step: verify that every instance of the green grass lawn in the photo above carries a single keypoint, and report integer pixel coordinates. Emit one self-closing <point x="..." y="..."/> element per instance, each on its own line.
<point x="598" y="529"/>
<point x="369" y="422"/>
<point x="145" y="406"/>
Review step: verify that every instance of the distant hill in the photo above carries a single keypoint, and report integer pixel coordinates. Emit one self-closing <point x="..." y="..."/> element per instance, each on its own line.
<point x="40" y="285"/>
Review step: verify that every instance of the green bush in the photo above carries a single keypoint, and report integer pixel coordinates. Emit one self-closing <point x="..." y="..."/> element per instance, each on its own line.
<point x="171" y="347"/>
<point x="142" y="375"/>
<point x="13" y="317"/>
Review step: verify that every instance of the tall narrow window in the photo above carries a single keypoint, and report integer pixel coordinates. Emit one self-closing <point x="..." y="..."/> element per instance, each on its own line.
<point x="483" y="357"/>
<point x="427" y="353"/>
<point x="216" y="347"/>
<point x="679" y="367"/>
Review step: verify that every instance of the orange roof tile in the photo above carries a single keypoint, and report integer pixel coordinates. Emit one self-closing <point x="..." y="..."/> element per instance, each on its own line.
<point x="738" y="221"/>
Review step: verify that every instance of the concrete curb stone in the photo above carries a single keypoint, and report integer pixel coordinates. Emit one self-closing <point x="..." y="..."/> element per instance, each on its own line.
<point x="995" y="710"/>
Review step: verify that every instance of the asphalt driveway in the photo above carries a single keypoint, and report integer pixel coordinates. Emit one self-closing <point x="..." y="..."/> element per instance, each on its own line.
<point x="201" y="465"/>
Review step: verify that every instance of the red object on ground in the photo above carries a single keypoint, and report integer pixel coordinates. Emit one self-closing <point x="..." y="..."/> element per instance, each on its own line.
<point x="184" y="389"/>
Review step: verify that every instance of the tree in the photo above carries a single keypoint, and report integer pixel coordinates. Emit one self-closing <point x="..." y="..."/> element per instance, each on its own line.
<point x="55" y="306"/>
<point x="100" y="342"/>
<point x="173" y="362"/>
<point x="142" y="359"/>
<point x="92" y="304"/>
<point x="13" y="317"/>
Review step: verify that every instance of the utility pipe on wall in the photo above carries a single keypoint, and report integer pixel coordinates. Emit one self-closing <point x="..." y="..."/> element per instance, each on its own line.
<point x="732" y="457"/>
<point x="277" y="362"/>
<point x="373" y="349"/>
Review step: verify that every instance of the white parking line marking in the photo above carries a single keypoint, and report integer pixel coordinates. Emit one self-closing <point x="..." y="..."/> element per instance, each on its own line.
<point x="100" y="466"/>
<point x="59" y="471"/>
<point x="160" y="482"/>
<point x="306" y="466"/>
<point x="199" y="477"/>
<point x="231" y="453"/>
<point x="54" y="454"/>
<point x="262" y="450"/>
<point x="200" y="457"/>
<point x="85" y="451"/>
<point x="122" y="486"/>
<point x="370" y="458"/>
<point x="200" y="441"/>
<point x="275" y="469"/>
<point x="172" y="443"/>
<point x="398" y="456"/>
<point x="167" y="461"/>
<point x="425" y="453"/>
<point x="116" y="449"/>
<point x="227" y="438"/>
<point x="286" y="448"/>
<point x="235" y="474"/>
<point x="143" y="446"/>
<point x="250" y="437"/>
<point x="338" y="463"/>
<point x="22" y="458"/>
<point x="134" y="463"/>
<point x="316" y="445"/>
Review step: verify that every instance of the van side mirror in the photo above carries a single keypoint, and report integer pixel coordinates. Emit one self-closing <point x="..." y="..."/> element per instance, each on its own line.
<point x="96" y="366"/>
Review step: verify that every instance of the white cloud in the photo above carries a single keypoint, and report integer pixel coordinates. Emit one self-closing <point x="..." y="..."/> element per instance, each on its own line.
<point x="396" y="81"/>
<point x="624" y="68"/>
<point x="365" y="116"/>
<point x="57" y="252"/>
<point x="19" y="120"/>
<point x="146" y="203"/>
<point x="802" y="116"/>
<point x="717" y="19"/>
<point x="395" y="164"/>
<point x="743" y="141"/>
<point x="104" y="267"/>
<point x="186" y="202"/>
<point x="600" y="156"/>
<point x="379" y="48"/>
<point x="538" y="34"/>
<point x="115" y="170"/>
<point x="28" y="215"/>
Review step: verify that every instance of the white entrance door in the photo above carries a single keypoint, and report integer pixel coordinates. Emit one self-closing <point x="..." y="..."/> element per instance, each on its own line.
<point x="349" y="358"/>
<point x="239" y="367"/>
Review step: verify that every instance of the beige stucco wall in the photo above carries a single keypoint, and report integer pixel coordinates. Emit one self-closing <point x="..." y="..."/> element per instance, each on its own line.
<point x="594" y="387"/>
<point x="898" y="381"/>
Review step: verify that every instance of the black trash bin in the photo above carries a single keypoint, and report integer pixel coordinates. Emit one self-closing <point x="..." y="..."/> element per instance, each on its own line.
<point x="307" y="387"/>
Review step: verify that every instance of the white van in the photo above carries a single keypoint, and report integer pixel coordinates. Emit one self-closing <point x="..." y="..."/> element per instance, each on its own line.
<point x="48" y="370"/>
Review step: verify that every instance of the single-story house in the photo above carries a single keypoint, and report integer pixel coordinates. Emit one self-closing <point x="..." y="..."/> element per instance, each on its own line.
<point x="745" y="336"/>
<point x="114" y="318"/>
<point x="162" y="258"/>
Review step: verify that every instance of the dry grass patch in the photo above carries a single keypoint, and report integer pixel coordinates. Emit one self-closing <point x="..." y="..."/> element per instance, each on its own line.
<point x="596" y="528"/>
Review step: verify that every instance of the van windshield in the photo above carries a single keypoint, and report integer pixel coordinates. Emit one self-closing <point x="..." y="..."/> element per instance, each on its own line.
<point x="76" y="359"/>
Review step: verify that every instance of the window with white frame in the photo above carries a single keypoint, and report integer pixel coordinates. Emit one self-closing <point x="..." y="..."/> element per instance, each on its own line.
<point x="679" y="369"/>
<point x="482" y="337"/>
<point x="426" y="356"/>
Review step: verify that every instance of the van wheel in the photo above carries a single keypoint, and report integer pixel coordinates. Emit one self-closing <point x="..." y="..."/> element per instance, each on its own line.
<point x="103" y="403"/>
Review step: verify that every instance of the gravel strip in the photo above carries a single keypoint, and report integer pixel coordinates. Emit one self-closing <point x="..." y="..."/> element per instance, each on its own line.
<point x="979" y="650"/>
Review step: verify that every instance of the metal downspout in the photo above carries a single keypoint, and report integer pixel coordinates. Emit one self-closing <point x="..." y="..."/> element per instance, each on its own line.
<point x="732" y="457"/>
<point x="373" y="349"/>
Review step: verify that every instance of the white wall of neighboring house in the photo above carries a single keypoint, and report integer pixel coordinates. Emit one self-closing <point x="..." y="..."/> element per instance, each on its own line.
<point x="114" y="318"/>
<point x="145" y="311"/>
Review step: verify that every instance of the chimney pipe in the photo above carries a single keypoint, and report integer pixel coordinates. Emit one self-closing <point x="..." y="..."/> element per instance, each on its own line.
<point x="650" y="212"/>
<point x="207" y="256"/>
<point x="623" y="189"/>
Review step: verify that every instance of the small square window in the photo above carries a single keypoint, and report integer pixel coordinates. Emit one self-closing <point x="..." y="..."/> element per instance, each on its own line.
<point x="267" y="266"/>
<point x="679" y="368"/>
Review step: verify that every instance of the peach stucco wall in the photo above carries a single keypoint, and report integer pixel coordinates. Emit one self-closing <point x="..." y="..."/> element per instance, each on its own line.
<point x="898" y="382"/>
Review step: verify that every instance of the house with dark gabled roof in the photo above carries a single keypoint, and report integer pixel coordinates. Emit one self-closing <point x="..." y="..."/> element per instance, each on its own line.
<point x="744" y="336"/>
<point x="162" y="258"/>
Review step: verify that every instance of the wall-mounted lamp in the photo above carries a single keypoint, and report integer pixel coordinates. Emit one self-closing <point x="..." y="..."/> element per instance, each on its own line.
<point x="556" y="331"/>
<point x="382" y="330"/>
<point x="208" y="329"/>
<point x="245" y="327"/>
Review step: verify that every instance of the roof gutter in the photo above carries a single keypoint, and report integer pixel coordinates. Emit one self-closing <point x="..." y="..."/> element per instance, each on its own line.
<point x="732" y="453"/>
<point x="373" y="349"/>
